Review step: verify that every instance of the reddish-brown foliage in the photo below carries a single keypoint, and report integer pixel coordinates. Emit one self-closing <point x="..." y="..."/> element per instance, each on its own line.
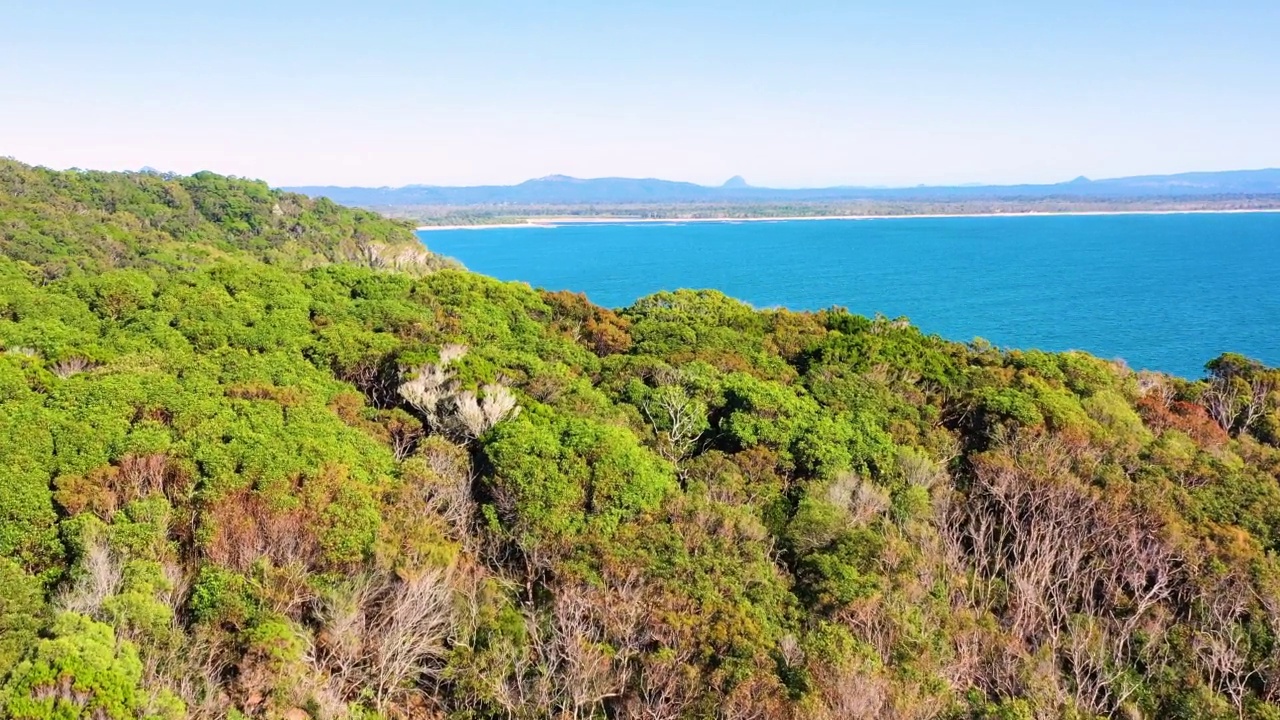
<point x="1187" y="417"/>
<point x="608" y="333"/>
<point x="153" y="414"/>
<point x="245" y="528"/>
<point x="90" y="492"/>
<point x="105" y="490"/>
<point x="600" y="329"/>
<point x="1192" y="419"/>
<point x="348" y="407"/>
<point x="285" y="396"/>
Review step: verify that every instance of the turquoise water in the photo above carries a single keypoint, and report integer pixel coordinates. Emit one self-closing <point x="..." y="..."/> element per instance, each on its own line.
<point x="1165" y="292"/>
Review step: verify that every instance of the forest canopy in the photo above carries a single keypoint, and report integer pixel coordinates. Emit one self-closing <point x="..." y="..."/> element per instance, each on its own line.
<point x="264" y="456"/>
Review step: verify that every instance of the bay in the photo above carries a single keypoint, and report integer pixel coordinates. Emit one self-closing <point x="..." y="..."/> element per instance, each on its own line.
<point x="1164" y="292"/>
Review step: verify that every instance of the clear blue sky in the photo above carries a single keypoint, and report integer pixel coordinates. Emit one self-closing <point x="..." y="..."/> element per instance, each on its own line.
<point x="789" y="93"/>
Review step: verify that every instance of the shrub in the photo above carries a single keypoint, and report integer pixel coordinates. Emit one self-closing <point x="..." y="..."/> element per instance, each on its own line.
<point x="80" y="671"/>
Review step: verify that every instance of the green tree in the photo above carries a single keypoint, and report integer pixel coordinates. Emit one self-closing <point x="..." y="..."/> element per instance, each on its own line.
<point x="80" y="671"/>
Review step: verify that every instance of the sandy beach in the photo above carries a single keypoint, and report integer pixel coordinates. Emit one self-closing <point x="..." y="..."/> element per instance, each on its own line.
<point x="552" y="222"/>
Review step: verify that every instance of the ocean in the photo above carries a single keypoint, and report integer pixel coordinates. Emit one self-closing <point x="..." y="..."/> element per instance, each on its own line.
<point x="1162" y="292"/>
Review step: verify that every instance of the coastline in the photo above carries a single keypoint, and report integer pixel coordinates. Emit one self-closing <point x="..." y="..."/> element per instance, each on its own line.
<point x="553" y="222"/>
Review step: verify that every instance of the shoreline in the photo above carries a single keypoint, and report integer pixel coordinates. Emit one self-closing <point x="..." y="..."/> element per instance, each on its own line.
<point x="553" y="222"/>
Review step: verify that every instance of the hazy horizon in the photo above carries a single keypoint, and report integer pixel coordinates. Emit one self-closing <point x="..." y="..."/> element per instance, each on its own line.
<point x="150" y="168"/>
<point x="495" y="93"/>
<point x="793" y="187"/>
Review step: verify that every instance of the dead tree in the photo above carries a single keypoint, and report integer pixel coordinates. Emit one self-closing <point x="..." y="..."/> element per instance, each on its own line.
<point x="384" y="635"/>
<point x="676" y="417"/>
<point x="1064" y="567"/>
<point x="449" y="410"/>
<point x="1238" y="392"/>
<point x="1222" y="647"/>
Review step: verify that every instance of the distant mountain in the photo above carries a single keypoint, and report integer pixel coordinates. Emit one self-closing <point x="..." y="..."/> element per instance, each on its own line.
<point x="553" y="189"/>
<point x="561" y="189"/>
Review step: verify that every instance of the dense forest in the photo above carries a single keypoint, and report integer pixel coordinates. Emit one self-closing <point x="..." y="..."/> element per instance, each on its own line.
<point x="264" y="456"/>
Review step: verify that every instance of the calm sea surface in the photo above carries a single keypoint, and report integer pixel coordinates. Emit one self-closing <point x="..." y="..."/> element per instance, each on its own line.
<point x="1165" y="292"/>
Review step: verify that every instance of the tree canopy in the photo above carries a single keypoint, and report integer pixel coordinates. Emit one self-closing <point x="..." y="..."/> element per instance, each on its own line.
<point x="264" y="456"/>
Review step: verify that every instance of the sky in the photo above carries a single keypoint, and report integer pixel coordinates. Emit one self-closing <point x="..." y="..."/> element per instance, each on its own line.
<point x="788" y="94"/>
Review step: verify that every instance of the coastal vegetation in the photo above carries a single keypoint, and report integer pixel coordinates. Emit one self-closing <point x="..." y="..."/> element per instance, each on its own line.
<point x="266" y="456"/>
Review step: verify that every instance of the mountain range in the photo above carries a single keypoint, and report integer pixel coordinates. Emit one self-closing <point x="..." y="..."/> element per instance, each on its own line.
<point x="562" y="189"/>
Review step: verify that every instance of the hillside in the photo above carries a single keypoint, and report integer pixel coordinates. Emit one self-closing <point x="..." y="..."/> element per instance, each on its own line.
<point x="563" y="190"/>
<point x="248" y="468"/>
<point x="66" y="222"/>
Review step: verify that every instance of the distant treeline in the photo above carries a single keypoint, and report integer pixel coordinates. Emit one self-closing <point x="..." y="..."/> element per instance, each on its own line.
<point x="503" y="213"/>
<point x="563" y="190"/>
